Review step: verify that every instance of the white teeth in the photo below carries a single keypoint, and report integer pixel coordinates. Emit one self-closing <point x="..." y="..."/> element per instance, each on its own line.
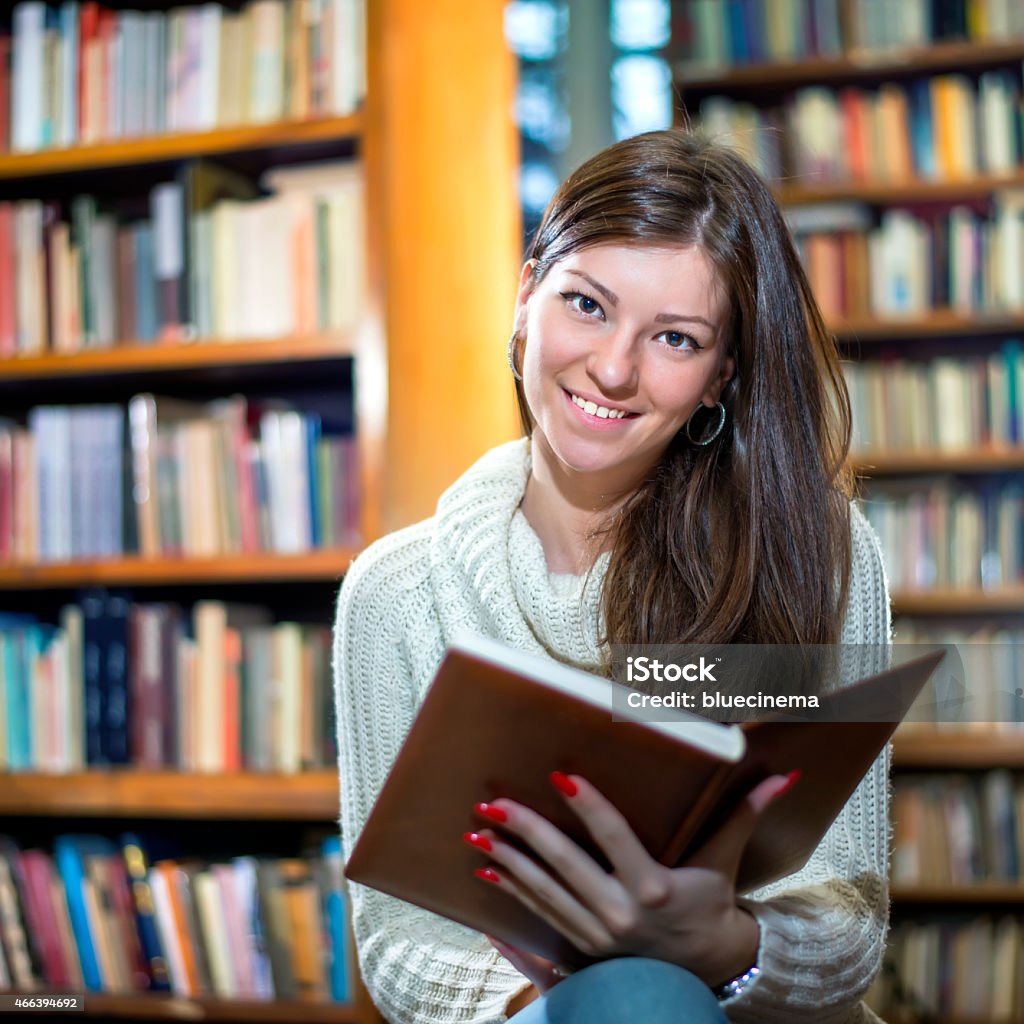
<point x="600" y="411"/>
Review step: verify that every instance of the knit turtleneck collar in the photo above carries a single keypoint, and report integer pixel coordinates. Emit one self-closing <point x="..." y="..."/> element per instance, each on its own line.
<point x="489" y="573"/>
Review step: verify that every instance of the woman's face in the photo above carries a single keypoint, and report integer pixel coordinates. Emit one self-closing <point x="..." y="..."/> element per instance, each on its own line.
<point x="622" y="343"/>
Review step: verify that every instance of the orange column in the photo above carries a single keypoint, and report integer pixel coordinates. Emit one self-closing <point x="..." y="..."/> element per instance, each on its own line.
<point x="448" y="159"/>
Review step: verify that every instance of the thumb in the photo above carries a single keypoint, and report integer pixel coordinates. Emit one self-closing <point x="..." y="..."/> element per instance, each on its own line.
<point x="723" y="851"/>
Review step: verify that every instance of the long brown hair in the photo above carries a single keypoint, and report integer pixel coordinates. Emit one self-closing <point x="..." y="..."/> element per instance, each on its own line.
<point x="746" y="539"/>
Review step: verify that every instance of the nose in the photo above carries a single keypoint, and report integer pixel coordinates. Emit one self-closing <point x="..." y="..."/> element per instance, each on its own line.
<point x="612" y="364"/>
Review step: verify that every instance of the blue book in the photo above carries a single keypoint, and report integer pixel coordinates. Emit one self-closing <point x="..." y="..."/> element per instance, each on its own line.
<point x="922" y="150"/>
<point x="68" y="47"/>
<point x="737" y="31"/>
<point x="137" y="865"/>
<point x="70" y="854"/>
<point x="336" y="916"/>
<point x="93" y="673"/>
<point x="313" y="433"/>
<point x="15" y="620"/>
<point x="1013" y="354"/>
<point x="755" y="30"/>
<point x="19" y="718"/>
<point x="117" y="706"/>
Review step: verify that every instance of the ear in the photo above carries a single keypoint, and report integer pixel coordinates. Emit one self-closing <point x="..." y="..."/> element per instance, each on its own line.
<point x="724" y="375"/>
<point x="527" y="283"/>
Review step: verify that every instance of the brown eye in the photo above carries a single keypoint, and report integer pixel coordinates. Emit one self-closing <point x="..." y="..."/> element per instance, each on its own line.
<point x="680" y="342"/>
<point x="583" y="304"/>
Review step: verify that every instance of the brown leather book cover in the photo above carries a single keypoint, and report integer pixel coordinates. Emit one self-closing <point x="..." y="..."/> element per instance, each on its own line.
<point x="495" y="722"/>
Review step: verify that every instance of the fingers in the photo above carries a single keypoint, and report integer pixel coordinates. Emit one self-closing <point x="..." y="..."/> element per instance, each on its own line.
<point x="520" y="876"/>
<point x="639" y="873"/>
<point x="724" y="850"/>
<point x="599" y="908"/>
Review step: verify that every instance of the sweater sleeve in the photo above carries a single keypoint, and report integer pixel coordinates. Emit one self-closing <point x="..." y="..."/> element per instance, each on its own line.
<point x="417" y="966"/>
<point x="823" y="929"/>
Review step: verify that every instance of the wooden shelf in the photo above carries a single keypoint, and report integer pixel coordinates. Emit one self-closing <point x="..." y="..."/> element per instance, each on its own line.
<point x="949" y="749"/>
<point x="978" y="893"/>
<point x="312" y="566"/>
<point x="911" y="191"/>
<point x="154" y="1006"/>
<point x="157" y="358"/>
<point x="179" y="146"/>
<point x="958" y="602"/>
<point x="938" y="324"/>
<point x="130" y="793"/>
<point x="857" y="65"/>
<point x="977" y="460"/>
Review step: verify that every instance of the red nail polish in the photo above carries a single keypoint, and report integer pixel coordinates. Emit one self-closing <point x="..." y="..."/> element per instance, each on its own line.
<point x="487" y="875"/>
<point x="791" y="780"/>
<point x="479" y="841"/>
<point x="563" y="783"/>
<point x="494" y="813"/>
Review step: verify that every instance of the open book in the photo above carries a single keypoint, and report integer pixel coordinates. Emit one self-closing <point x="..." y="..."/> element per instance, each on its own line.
<point x="496" y="721"/>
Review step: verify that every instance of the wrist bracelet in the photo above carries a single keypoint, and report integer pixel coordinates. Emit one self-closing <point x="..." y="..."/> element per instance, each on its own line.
<point x="737" y="985"/>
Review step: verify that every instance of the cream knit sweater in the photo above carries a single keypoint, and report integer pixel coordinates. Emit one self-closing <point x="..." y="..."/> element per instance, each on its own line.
<point x="477" y="564"/>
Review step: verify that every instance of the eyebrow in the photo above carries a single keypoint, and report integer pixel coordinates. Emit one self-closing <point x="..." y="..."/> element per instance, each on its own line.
<point x="661" y="318"/>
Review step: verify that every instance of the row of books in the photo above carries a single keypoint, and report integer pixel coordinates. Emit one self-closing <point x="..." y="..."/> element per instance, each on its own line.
<point x="77" y="73"/>
<point x="95" y="915"/>
<point x="937" y="533"/>
<point x="720" y="33"/>
<point x="914" y="263"/>
<point x="169" y="478"/>
<point x="213" y="260"/>
<point x="943" y="128"/>
<point x="219" y="688"/>
<point x="958" y="829"/>
<point x="946" y="403"/>
<point x="971" y="970"/>
<point x="982" y="688"/>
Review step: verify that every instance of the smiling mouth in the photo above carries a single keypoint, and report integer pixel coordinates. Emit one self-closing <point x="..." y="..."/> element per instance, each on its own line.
<point x="600" y="411"/>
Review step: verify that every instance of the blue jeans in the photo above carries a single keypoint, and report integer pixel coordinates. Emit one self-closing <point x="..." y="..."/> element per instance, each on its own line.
<point x="626" y="989"/>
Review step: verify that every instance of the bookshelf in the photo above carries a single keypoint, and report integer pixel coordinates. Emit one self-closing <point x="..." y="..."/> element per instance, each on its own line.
<point x="310" y="796"/>
<point x="949" y="750"/>
<point x="822" y="120"/>
<point x="424" y="357"/>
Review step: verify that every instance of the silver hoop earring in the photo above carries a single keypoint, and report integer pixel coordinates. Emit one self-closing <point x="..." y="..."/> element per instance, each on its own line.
<point x="512" y="356"/>
<point x="714" y="433"/>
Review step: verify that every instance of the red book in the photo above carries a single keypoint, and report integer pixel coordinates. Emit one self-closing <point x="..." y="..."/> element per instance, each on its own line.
<point x="6" y="496"/>
<point x="855" y="131"/>
<point x="37" y="871"/>
<point x="232" y="700"/>
<point x="88" y="33"/>
<point x="8" y="308"/>
<point x="145" y="680"/>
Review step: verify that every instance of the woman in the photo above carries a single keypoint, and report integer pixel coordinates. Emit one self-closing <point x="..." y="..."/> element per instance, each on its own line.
<point x="682" y="480"/>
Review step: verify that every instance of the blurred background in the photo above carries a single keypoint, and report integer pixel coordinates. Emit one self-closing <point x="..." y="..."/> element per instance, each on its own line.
<point x="258" y="261"/>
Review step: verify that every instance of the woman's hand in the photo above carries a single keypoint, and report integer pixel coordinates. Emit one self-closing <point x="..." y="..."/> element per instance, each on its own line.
<point x="686" y="915"/>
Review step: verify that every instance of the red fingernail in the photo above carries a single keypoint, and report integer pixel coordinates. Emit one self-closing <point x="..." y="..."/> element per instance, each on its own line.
<point x="487" y="875"/>
<point x="479" y="841"/>
<point x="563" y="783"/>
<point x="492" y="812"/>
<point x="791" y="780"/>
